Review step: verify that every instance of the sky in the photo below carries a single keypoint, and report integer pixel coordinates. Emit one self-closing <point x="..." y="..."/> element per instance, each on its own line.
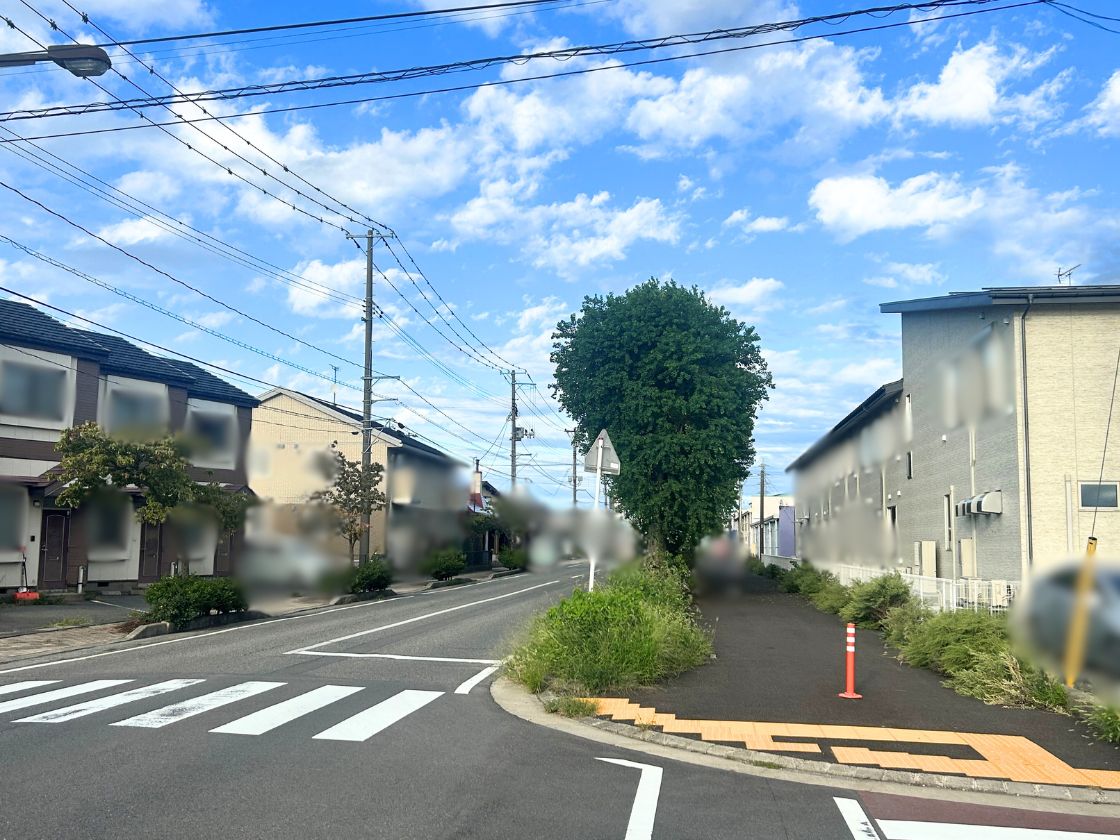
<point x="799" y="185"/>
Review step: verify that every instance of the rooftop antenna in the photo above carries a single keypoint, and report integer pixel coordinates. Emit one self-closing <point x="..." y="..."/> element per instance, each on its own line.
<point x="334" y="387"/>
<point x="1067" y="274"/>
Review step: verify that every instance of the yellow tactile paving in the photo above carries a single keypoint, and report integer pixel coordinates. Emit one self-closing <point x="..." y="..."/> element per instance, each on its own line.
<point x="1010" y="757"/>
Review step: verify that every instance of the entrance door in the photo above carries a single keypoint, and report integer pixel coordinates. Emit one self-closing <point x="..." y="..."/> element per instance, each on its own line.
<point x="52" y="549"/>
<point x="150" y="550"/>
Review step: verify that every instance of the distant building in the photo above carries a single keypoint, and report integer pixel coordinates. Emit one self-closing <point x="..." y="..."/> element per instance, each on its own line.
<point x="753" y="508"/>
<point x="423" y="485"/>
<point x="983" y="460"/>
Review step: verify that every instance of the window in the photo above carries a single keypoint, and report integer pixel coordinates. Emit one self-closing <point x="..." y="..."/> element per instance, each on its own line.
<point x="13" y="509"/>
<point x="108" y="526"/>
<point x="213" y="428"/>
<point x="910" y="464"/>
<point x="1094" y="495"/>
<point x="32" y="392"/>
<point x="135" y="410"/>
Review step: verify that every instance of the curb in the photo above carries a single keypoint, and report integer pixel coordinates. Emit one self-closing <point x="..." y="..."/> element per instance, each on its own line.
<point x="521" y="703"/>
<point x="163" y="628"/>
<point x="353" y="598"/>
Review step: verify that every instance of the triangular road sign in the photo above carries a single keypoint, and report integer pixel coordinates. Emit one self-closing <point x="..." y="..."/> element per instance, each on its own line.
<point x="611" y="463"/>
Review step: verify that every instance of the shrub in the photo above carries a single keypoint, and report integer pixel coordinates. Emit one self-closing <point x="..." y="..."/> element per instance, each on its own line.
<point x="950" y="641"/>
<point x="183" y="598"/>
<point x="802" y="579"/>
<point x="626" y="633"/>
<point x="655" y="581"/>
<point x="1001" y="677"/>
<point x="755" y="566"/>
<point x="514" y="558"/>
<point x="371" y="576"/>
<point x="832" y="597"/>
<point x="445" y="564"/>
<point x="571" y="706"/>
<point x="871" y="600"/>
<point x="1104" y="723"/>
<point x="900" y="623"/>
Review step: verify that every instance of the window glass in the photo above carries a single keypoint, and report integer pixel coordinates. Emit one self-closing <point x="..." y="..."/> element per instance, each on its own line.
<point x="108" y="526"/>
<point x="214" y="431"/>
<point x="13" y="504"/>
<point x="32" y="391"/>
<point x="1099" y="495"/>
<point x="134" y="410"/>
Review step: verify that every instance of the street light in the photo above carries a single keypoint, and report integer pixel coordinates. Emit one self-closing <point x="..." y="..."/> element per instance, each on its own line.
<point x="82" y="60"/>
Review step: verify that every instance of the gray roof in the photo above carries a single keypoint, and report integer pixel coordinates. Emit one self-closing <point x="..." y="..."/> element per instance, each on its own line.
<point x="1007" y="296"/>
<point x="127" y="359"/>
<point x="883" y="399"/>
<point x="30" y="327"/>
<point x="406" y="439"/>
<point x="207" y="386"/>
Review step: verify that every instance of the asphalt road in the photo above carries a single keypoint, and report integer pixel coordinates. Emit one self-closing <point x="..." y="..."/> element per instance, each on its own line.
<point x="359" y="721"/>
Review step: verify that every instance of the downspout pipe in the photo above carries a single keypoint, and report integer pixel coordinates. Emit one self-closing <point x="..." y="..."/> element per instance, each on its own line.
<point x="1026" y="429"/>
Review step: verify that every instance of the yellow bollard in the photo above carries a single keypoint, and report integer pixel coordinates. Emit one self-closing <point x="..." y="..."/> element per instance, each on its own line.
<point x="1079" y="620"/>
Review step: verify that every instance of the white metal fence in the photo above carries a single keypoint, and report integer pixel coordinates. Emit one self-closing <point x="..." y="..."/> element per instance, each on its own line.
<point x="942" y="594"/>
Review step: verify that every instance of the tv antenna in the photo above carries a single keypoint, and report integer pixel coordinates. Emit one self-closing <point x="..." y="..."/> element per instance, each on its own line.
<point x="1067" y="274"/>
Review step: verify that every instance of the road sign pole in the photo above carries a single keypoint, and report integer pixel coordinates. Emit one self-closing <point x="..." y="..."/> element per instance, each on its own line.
<point x="595" y="507"/>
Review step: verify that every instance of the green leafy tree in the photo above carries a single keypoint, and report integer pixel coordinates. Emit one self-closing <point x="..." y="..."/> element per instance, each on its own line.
<point x="352" y="493"/>
<point x="678" y="383"/>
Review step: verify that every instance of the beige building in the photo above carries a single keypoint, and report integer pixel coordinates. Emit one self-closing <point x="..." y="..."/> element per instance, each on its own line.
<point x="983" y="460"/>
<point x="424" y="487"/>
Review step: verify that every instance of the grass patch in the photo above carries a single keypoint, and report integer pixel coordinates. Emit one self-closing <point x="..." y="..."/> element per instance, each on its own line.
<point x="572" y="707"/>
<point x="1104" y="723"/>
<point x="73" y="621"/>
<point x="637" y="628"/>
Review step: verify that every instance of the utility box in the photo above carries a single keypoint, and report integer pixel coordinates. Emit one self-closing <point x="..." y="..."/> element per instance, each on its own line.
<point x="967" y="553"/>
<point x="925" y="557"/>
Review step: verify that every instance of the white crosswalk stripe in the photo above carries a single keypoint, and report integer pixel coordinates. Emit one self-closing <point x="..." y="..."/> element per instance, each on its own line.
<point x="58" y="694"/>
<point x="365" y="725"/>
<point x="274" y="716"/>
<point x="23" y="686"/>
<point x="198" y="705"/>
<point x="112" y="701"/>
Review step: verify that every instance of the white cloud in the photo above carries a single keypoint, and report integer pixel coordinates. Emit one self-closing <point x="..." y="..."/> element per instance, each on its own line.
<point x="759" y="294"/>
<point x="854" y="205"/>
<point x="922" y="274"/>
<point x="870" y="373"/>
<point x="972" y="89"/>
<point x="881" y="282"/>
<point x="750" y="225"/>
<point x="133" y="232"/>
<point x="1104" y="112"/>
<point x="827" y="306"/>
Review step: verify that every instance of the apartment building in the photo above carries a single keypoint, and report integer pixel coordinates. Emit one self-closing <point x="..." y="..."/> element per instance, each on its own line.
<point x="53" y="377"/>
<point x="984" y="460"/>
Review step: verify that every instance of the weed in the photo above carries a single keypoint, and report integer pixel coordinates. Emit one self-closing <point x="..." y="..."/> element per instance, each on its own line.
<point x="871" y="600"/>
<point x="72" y="621"/>
<point x="901" y="622"/>
<point x="1104" y="723"/>
<point x="572" y="707"/>
<point x="1000" y="677"/>
<point x="950" y="641"/>
<point x="832" y="597"/>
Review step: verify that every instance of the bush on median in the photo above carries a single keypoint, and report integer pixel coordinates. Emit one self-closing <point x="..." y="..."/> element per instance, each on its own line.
<point x="635" y="629"/>
<point x="183" y="598"/>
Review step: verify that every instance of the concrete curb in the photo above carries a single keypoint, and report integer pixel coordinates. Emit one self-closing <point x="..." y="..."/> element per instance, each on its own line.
<point x="353" y="598"/>
<point x="519" y="702"/>
<point x="163" y="628"/>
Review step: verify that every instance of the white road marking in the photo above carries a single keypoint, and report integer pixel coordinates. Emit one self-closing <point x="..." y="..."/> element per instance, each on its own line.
<point x="914" y="830"/>
<point x="861" y="825"/>
<point x="112" y="701"/>
<point x="365" y="725"/>
<point x="235" y="629"/>
<point x="268" y="719"/>
<point x="644" y="811"/>
<point x="198" y="705"/>
<point x="466" y="687"/>
<point x="395" y="656"/>
<point x="416" y="618"/>
<point x="107" y="604"/>
<point x="23" y="686"/>
<point x="58" y="694"/>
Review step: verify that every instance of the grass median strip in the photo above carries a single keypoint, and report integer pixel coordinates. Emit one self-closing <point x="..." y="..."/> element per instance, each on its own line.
<point x="636" y="629"/>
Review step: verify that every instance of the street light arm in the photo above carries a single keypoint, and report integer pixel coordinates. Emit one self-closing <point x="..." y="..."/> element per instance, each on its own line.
<point x="82" y="60"/>
<point x="23" y="59"/>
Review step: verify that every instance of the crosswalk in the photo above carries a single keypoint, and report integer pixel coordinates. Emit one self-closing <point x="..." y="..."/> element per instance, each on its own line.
<point x="353" y="727"/>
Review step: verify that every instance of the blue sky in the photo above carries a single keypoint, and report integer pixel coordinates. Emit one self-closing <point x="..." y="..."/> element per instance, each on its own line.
<point x="800" y="185"/>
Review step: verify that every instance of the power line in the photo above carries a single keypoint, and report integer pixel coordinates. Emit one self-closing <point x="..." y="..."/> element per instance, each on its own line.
<point x="319" y="23"/>
<point x="428" y="71"/>
<point x="539" y="77"/>
<point x="1062" y="8"/>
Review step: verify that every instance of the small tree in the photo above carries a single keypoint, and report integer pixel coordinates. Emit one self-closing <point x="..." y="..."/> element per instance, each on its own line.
<point x="352" y="493"/>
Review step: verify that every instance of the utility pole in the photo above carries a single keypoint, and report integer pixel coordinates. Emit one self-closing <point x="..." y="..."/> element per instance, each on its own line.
<point x="367" y="392"/>
<point x="575" y="482"/>
<point x="761" y="509"/>
<point x="513" y="428"/>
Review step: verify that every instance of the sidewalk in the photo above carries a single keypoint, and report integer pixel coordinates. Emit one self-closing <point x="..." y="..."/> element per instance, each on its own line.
<point x="774" y="686"/>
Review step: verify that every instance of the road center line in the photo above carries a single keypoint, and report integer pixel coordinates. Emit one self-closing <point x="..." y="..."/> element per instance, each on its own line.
<point x="644" y="811"/>
<point x="466" y="687"/>
<point x="423" y="617"/>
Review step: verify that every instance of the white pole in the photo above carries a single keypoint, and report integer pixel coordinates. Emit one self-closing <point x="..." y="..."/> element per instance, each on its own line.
<point x="595" y="507"/>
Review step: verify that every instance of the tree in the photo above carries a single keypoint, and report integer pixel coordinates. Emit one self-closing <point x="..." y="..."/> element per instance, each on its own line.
<point x="678" y="383"/>
<point x="351" y="494"/>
